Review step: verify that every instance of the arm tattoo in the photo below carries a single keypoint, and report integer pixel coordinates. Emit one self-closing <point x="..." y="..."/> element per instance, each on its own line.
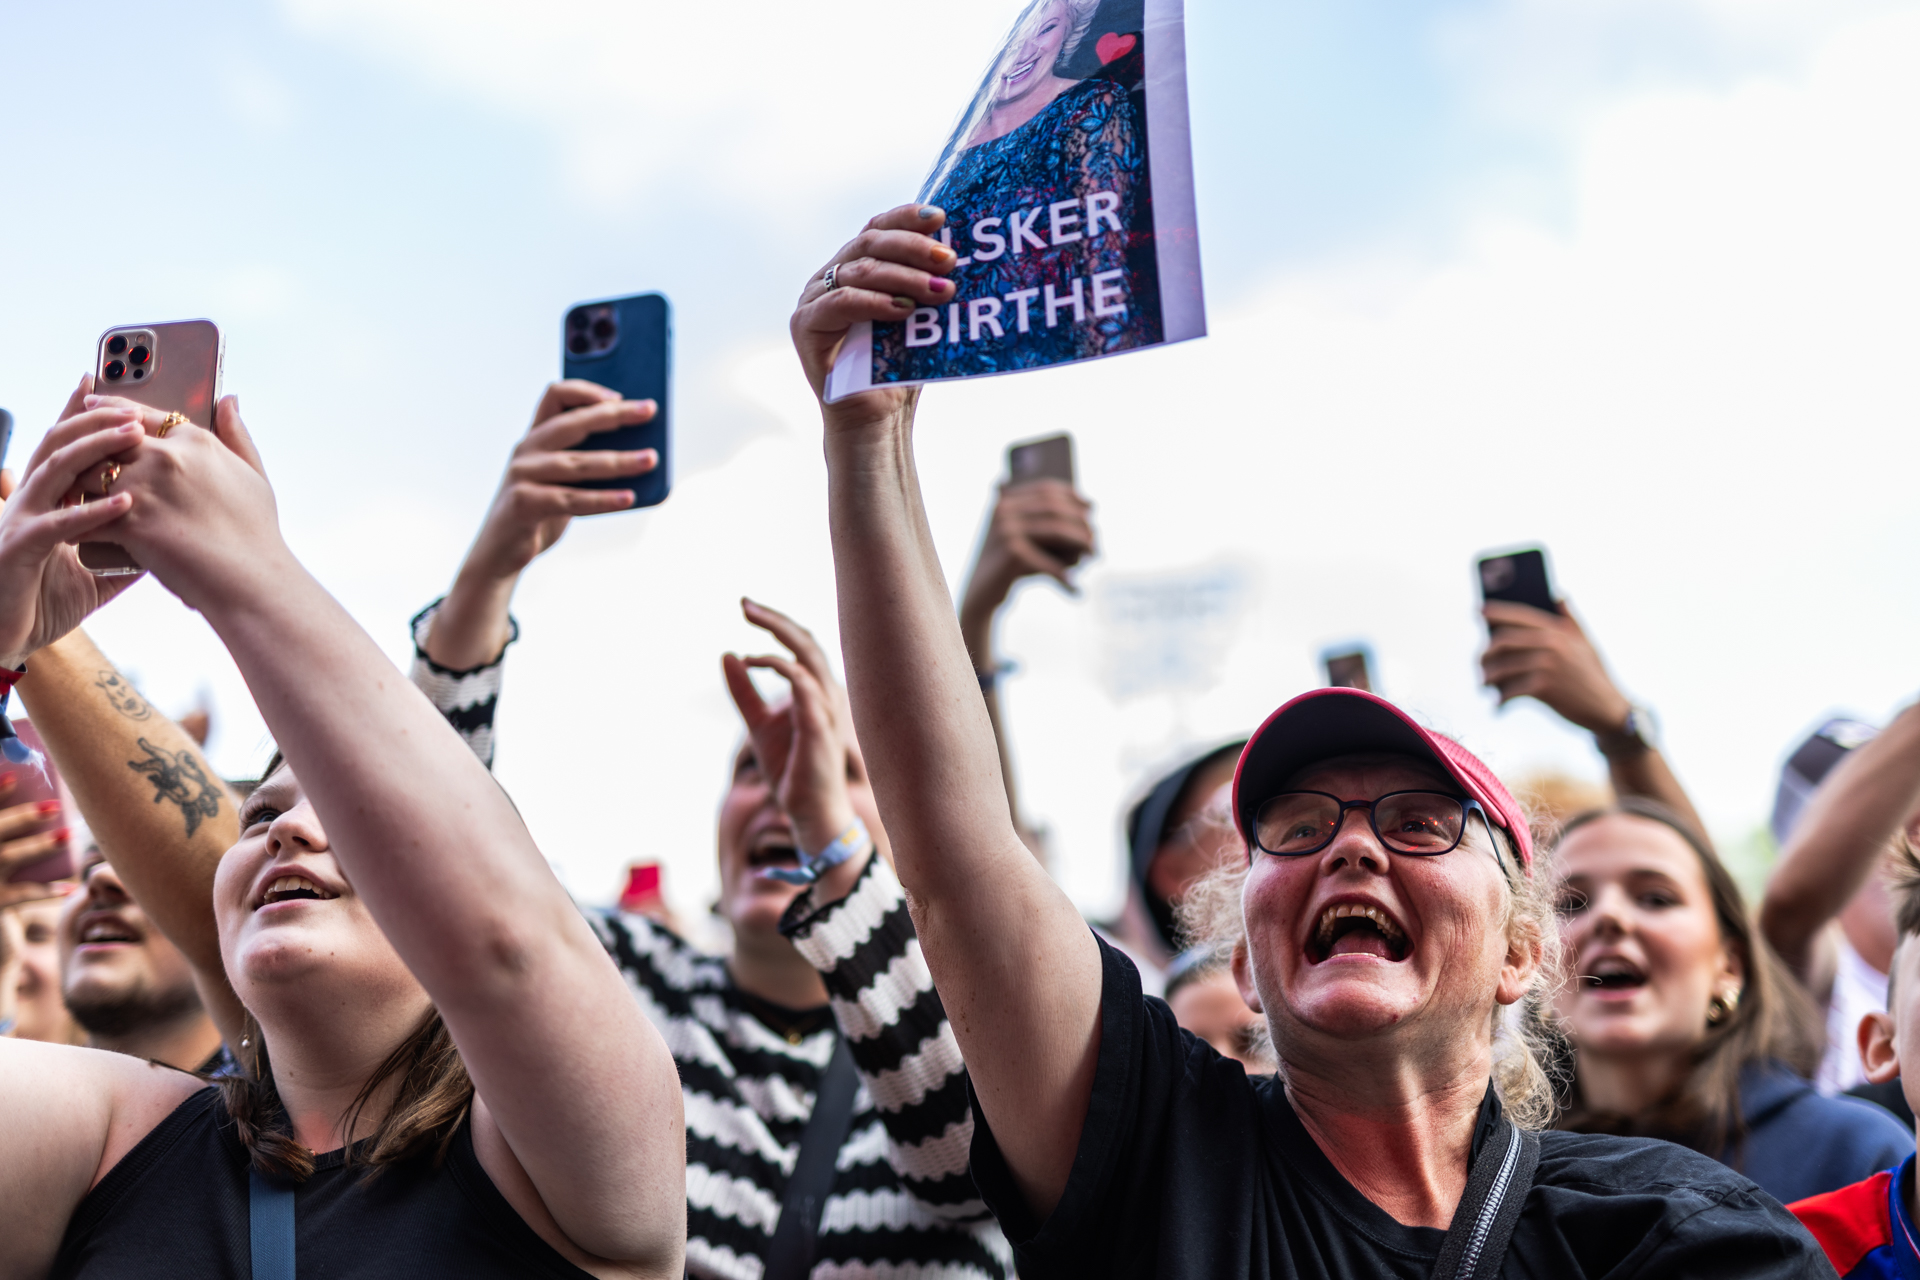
<point x="178" y="777"/>
<point x="122" y="697"/>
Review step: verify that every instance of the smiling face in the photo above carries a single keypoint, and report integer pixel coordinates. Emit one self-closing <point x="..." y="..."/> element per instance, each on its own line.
<point x="1029" y="62"/>
<point x="1356" y="943"/>
<point x="1644" y="946"/>
<point x="287" y="913"/>
<point x="119" y="972"/>
<point x="755" y="833"/>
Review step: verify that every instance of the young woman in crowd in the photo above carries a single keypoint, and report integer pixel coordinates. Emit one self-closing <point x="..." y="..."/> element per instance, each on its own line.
<point x="823" y="1010"/>
<point x="440" y="1063"/>
<point x="1389" y="918"/>
<point x="1683" y="1024"/>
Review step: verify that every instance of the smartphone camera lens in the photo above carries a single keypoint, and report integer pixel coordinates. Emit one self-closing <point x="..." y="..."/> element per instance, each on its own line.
<point x="577" y="343"/>
<point x="116" y="370"/>
<point x="603" y="330"/>
<point x="117" y="345"/>
<point x="138" y="355"/>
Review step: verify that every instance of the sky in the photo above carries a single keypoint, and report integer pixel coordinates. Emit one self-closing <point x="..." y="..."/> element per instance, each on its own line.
<point x="1630" y="280"/>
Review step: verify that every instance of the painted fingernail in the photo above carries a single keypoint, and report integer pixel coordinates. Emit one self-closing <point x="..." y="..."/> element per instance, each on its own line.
<point x="936" y="285"/>
<point x="47" y="806"/>
<point x="8" y="779"/>
<point x="61" y="835"/>
<point x="905" y="304"/>
<point x="928" y="212"/>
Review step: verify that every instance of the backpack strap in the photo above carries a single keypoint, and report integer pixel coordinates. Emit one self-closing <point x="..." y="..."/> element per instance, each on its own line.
<point x="790" y="1256"/>
<point x="269" y="1226"/>
<point x="1497" y="1185"/>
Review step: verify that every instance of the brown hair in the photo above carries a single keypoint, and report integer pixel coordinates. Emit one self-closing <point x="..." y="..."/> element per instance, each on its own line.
<point x="1773" y="1020"/>
<point x="432" y="1099"/>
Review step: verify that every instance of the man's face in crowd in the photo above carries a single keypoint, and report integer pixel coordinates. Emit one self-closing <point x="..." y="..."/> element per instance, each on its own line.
<point x="118" y="972"/>
<point x="754" y="834"/>
<point x="1326" y="975"/>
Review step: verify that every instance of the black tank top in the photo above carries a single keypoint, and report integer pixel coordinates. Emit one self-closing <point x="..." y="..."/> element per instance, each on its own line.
<point x="176" y="1205"/>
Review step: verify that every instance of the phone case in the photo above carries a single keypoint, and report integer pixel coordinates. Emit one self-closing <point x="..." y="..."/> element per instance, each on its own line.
<point x="35" y="785"/>
<point x="625" y="344"/>
<point x="1048" y="459"/>
<point x="174" y="367"/>
<point x="1520" y="577"/>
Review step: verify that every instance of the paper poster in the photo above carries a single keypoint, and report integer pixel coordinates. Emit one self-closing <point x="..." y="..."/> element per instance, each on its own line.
<point x="1068" y="186"/>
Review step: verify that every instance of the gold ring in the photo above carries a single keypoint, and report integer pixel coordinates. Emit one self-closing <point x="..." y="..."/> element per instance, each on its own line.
<point x="107" y="477"/>
<point x="171" y="421"/>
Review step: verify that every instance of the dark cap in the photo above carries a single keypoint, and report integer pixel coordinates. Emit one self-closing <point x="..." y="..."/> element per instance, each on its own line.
<point x="1808" y="767"/>
<point x="1328" y="723"/>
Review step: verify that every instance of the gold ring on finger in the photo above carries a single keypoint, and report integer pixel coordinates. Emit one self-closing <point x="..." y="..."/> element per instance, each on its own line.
<point x="167" y="424"/>
<point x="107" y="477"/>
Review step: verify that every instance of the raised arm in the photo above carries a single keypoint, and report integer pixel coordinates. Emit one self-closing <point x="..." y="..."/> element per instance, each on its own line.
<point x="436" y="850"/>
<point x="1841" y="837"/>
<point x="989" y="918"/>
<point x="1547" y="656"/>
<point x="160" y="812"/>
<point x="1038" y="527"/>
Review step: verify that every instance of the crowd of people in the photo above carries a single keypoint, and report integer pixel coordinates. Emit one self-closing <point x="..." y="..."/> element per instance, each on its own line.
<point x="1369" y="1010"/>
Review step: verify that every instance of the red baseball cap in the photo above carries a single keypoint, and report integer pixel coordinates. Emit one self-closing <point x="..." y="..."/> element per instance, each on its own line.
<point x="1327" y="723"/>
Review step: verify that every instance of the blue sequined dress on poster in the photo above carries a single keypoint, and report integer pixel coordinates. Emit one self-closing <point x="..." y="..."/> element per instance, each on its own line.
<point x="1079" y="282"/>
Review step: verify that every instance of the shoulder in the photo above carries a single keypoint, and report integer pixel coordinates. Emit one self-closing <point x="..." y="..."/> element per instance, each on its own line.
<point x="1603" y="1165"/>
<point x="1854" y="1117"/>
<point x="1851" y="1222"/>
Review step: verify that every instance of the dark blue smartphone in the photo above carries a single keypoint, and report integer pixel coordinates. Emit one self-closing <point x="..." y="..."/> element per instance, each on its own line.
<point x="625" y="344"/>
<point x="1519" y="577"/>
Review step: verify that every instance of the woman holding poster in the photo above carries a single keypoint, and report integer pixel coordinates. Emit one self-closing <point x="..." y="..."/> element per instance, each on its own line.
<point x="1047" y="184"/>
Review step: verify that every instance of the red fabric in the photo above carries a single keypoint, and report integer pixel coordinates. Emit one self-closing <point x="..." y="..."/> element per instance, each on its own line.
<point x="8" y="679"/>
<point x="1850" y="1222"/>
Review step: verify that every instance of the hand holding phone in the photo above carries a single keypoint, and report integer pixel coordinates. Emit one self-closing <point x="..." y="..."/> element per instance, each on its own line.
<point x="624" y="345"/>
<point x="35" y="845"/>
<point x="1039" y="527"/>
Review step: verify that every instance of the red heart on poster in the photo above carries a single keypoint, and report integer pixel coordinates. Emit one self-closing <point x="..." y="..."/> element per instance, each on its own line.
<point x="1111" y="46"/>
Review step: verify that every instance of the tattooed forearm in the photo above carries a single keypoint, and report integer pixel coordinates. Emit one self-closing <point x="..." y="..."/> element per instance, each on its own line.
<point x="122" y="696"/>
<point x="177" y="776"/>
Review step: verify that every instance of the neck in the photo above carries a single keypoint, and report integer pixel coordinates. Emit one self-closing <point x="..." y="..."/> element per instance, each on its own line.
<point x="321" y="1064"/>
<point x="183" y="1042"/>
<point x="769" y="967"/>
<point x="1004" y="118"/>
<point x="1403" y="1142"/>
<point x="1629" y="1084"/>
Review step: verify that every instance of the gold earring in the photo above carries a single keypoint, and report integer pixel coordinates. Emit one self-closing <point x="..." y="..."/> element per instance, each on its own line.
<point x="1722" y="1006"/>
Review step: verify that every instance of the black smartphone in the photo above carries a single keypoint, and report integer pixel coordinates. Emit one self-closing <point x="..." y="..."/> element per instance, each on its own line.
<point x="624" y="344"/>
<point x="1519" y="577"/>
<point x="6" y="435"/>
<point x="1348" y="666"/>
<point x="1048" y="459"/>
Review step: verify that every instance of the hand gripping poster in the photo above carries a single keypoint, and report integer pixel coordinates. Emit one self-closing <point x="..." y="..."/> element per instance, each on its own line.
<point x="1068" y="186"/>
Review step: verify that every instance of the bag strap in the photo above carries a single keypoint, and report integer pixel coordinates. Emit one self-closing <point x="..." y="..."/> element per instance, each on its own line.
<point x="1497" y="1186"/>
<point x="269" y="1226"/>
<point x="790" y="1256"/>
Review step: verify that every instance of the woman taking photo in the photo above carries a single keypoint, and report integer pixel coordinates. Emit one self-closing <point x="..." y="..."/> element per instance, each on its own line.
<point x="1683" y="1024"/>
<point x="445" y="1075"/>
<point x="1388" y="918"/>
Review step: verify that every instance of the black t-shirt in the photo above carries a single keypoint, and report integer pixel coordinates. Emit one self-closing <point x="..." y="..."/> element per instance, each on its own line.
<point x="1187" y="1168"/>
<point x="176" y="1205"/>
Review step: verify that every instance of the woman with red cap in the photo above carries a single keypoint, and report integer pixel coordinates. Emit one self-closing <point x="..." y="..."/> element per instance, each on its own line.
<point x="1390" y="929"/>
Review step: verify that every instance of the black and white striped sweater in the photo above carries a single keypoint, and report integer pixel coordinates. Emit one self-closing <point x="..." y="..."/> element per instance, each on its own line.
<point x="902" y="1205"/>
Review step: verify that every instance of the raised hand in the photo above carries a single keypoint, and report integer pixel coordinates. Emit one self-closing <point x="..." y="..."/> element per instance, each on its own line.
<point x="28" y="833"/>
<point x="891" y="267"/>
<point x="1039" y="527"/>
<point x="1535" y="654"/>
<point x="805" y="745"/>
<point x="533" y="507"/>
<point x="45" y="591"/>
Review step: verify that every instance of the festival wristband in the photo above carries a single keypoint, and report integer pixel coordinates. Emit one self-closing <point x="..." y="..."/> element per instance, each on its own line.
<point x="855" y="840"/>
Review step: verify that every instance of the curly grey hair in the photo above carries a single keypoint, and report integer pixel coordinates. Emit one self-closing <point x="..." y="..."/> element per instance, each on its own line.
<point x="1212" y="915"/>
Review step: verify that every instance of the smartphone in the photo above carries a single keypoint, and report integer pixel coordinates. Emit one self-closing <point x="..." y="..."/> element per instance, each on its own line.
<point x="1048" y="459"/>
<point x="1348" y="666"/>
<point x="624" y="344"/>
<point x="6" y="435"/>
<point x="173" y="367"/>
<point x="1519" y="577"/>
<point x="31" y="785"/>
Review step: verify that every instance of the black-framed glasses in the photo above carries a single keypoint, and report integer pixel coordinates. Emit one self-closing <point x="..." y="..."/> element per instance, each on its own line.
<point x="1294" y="824"/>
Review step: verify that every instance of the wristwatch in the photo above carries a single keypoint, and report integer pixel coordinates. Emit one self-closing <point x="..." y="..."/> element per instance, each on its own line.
<point x="1639" y="733"/>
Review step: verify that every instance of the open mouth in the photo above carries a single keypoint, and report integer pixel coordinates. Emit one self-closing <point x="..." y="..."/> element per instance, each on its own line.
<point x="1020" y="72"/>
<point x="1354" y="928"/>
<point x="106" y="930"/>
<point x="772" y="855"/>
<point x="1613" y="973"/>
<point x="292" y="888"/>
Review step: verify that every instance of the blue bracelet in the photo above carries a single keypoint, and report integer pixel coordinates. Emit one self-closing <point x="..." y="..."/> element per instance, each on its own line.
<point x="855" y="840"/>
